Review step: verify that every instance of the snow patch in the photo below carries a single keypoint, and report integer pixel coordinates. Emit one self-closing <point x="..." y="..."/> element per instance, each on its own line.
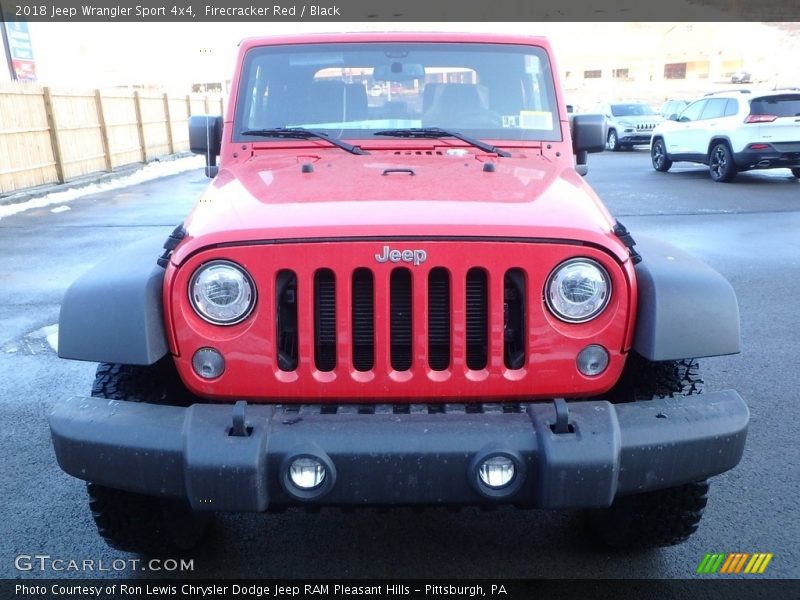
<point x="151" y="171"/>
<point x="50" y="333"/>
<point x="40" y="341"/>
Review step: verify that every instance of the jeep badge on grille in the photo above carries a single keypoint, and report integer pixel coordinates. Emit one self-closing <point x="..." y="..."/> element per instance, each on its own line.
<point x="416" y="257"/>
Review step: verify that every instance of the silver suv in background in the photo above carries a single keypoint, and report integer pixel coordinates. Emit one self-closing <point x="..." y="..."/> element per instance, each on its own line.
<point x="733" y="131"/>
<point x="629" y="123"/>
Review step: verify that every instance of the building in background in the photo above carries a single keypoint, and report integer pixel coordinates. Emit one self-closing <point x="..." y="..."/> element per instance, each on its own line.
<point x="609" y="61"/>
<point x="659" y="61"/>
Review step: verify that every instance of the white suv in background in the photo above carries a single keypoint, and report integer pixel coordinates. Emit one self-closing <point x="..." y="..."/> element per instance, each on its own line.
<point x="733" y="131"/>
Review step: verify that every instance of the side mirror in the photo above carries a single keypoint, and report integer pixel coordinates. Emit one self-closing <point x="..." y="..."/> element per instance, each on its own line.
<point x="673" y="117"/>
<point x="588" y="135"/>
<point x="205" y="137"/>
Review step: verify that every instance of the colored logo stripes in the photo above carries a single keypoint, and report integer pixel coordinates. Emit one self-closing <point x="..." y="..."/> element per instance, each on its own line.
<point x="734" y="562"/>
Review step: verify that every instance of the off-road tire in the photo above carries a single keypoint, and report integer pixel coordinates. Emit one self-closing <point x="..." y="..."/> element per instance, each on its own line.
<point x="653" y="519"/>
<point x="612" y="141"/>
<point x="796" y="172"/>
<point x="650" y="380"/>
<point x="720" y="163"/>
<point x="157" y="384"/>
<point x="144" y="524"/>
<point x="658" y="155"/>
<point x="661" y="517"/>
<point x="134" y="522"/>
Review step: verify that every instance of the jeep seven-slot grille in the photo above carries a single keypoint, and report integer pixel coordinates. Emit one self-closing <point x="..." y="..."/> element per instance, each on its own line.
<point x="400" y="317"/>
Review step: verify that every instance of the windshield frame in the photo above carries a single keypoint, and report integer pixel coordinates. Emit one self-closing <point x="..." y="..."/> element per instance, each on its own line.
<point x="547" y="97"/>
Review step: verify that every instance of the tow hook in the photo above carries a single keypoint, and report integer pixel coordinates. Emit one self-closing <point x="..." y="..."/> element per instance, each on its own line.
<point x="562" y="424"/>
<point x="240" y="428"/>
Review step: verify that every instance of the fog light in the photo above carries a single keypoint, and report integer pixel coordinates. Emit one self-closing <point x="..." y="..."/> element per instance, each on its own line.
<point x="592" y="360"/>
<point x="497" y="471"/>
<point x="307" y="472"/>
<point x="208" y="363"/>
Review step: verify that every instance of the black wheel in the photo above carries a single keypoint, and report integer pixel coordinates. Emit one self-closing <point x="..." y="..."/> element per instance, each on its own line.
<point x="647" y="380"/>
<point x="134" y="522"/>
<point x="720" y="163"/>
<point x="612" y="141"/>
<point x="143" y="524"/>
<point x="658" y="154"/>
<point x="158" y="383"/>
<point x="661" y="517"/>
<point x="796" y="172"/>
<point x="653" y="519"/>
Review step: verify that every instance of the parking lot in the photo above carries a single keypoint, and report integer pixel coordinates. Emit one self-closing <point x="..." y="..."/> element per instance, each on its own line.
<point x="748" y="230"/>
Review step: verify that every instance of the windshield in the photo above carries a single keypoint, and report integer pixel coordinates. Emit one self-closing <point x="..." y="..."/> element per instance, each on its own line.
<point x="495" y="91"/>
<point x="631" y="110"/>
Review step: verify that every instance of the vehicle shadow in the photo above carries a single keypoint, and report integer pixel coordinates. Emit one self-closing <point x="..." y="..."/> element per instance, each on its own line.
<point x="403" y="542"/>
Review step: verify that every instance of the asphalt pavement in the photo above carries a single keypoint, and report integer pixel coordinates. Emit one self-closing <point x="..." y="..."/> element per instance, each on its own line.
<point x="748" y="230"/>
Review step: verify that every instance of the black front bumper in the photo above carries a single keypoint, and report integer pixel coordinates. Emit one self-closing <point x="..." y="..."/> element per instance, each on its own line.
<point x="395" y="459"/>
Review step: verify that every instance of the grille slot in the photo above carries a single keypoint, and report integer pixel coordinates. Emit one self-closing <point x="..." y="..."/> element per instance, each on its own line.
<point x="400" y="319"/>
<point x="286" y="319"/>
<point x="363" y="319"/>
<point x="438" y="319"/>
<point x="514" y="319"/>
<point x="324" y="320"/>
<point x="477" y="319"/>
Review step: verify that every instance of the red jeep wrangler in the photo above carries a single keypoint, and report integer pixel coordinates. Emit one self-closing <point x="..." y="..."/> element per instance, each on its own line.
<point x="398" y="290"/>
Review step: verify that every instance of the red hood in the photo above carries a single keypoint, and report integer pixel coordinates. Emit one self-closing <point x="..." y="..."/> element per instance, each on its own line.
<point x="269" y="197"/>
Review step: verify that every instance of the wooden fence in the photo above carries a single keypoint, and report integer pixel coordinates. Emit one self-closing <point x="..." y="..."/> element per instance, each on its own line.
<point x="50" y="135"/>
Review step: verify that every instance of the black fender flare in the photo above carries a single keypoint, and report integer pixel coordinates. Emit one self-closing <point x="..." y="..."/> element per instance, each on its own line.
<point x="114" y="312"/>
<point x="686" y="309"/>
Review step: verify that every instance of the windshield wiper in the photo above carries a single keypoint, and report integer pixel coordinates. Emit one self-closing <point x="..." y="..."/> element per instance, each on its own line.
<point x="438" y="132"/>
<point x="301" y="133"/>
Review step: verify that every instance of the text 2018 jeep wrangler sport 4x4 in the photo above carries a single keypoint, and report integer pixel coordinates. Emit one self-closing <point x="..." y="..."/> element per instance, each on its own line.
<point x="398" y="290"/>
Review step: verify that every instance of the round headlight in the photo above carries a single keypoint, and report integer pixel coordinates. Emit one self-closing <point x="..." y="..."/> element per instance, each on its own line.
<point x="578" y="290"/>
<point x="222" y="292"/>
